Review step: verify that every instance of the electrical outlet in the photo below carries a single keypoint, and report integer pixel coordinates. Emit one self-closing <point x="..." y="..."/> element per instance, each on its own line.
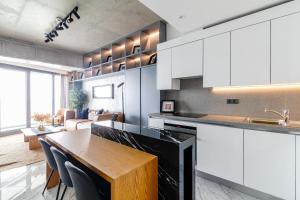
<point x="233" y="101"/>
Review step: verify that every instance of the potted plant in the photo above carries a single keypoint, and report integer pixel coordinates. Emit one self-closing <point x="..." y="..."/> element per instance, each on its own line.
<point x="77" y="99"/>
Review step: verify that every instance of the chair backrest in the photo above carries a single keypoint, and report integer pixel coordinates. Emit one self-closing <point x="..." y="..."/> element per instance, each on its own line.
<point x="83" y="185"/>
<point x="49" y="156"/>
<point x="60" y="159"/>
<point x="114" y="117"/>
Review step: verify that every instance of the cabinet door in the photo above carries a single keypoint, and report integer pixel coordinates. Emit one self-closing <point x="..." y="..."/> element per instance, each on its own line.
<point x="269" y="163"/>
<point x="150" y="96"/>
<point x="164" y="71"/>
<point x="133" y="96"/>
<point x="220" y="152"/>
<point x="285" y="50"/>
<point x="216" y="68"/>
<point x="187" y="60"/>
<point x="250" y="55"/>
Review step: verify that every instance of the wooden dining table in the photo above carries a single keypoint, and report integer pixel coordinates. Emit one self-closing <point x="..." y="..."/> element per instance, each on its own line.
<point x="131" y="173"/>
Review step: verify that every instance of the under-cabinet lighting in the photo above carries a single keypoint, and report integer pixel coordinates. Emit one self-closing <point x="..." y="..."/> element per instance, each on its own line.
<point x="136" y="42"/>
<point x="257" y="88"/>
<point x="121" y="46"/>
<point x="156" y="33"/>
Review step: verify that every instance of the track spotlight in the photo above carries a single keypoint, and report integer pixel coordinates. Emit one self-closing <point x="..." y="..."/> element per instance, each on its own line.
<point x="59" y="27"/>
<point x="70" y="20"/>
<point x="65" y="25"/>
<point x="62" y="23"/>
<point x="75" y="12"/>
<point x="55" y="33"/>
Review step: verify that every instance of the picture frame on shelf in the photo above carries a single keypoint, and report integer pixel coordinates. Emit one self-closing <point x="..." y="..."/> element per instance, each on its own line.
<point x="98" y="72"/>
<point x="152" y="59"/>
<point x="72" y="78"/>
<point x="109" y="59"/>
<point x="81" y="75"/>
<point x="167" y="106"/>
<point x="90" y="64"/>
<point x="122" y="66"/>
<point x="136" y="49"/>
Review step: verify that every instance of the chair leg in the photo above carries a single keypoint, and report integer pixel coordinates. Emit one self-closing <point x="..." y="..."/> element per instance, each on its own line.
<point x="63" y="193"/>
<point x="57" y="194"/>
<point x="47" y="182"/>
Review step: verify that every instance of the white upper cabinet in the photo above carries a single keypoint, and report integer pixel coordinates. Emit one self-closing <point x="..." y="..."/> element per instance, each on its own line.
<point x="269" y="163"/>
<point x="164" y="71"/>
<point x="250" y="55"/>
<point x="216" y="64"/>
<point x="220" y="151"/>
<point x="187" y="60"/>
<point x="285" y="49"/>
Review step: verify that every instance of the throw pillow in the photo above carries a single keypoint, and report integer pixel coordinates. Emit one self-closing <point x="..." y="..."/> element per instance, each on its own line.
<point x="84" y="114"/>
<point x="100" y="112"/>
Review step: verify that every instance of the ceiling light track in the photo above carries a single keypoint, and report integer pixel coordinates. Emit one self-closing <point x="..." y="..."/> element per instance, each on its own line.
<point x="62" y="24"/>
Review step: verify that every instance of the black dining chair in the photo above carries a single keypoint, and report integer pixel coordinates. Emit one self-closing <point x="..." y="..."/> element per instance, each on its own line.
<point x="60" y="159"/>
<point x="50" y="160"/>
<point x="83" y="185"/>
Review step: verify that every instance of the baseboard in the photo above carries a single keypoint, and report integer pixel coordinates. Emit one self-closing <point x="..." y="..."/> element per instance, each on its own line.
<point x="238" y="187"/>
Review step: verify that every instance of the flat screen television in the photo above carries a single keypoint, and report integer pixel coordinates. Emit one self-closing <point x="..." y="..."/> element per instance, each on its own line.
<point x="103" y="91"/>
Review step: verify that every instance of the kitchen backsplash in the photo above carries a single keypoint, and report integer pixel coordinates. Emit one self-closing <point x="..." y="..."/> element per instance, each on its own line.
<point x="252" y="101"/>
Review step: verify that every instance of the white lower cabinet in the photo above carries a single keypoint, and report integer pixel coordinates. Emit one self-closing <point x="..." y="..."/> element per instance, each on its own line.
<point x="269" y="163"/>
<point x="220" y="151"/>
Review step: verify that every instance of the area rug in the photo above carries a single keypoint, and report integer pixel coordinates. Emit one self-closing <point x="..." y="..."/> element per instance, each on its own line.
<point x="14" y="152"/>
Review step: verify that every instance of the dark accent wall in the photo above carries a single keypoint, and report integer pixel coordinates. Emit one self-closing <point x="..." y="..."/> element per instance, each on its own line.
<point x="194" y="98"/>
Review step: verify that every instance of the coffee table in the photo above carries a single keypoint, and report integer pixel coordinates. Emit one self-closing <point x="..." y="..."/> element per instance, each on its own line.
<point x="31" y="135"/>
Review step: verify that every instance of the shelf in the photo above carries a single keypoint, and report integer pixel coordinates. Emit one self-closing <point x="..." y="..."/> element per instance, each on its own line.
<point x="121" y="52"/>
<point x="99" y="77"/>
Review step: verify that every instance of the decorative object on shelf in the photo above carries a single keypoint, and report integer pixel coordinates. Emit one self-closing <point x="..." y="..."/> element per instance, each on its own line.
<point x="98" y="72"/>
<point x="109" y="58"/>
<point x="103" y="91"/>
<point x="90" y="64"/>
<point x="77" y="99"/>
<point x="122" y="66"/>
<point x="152" y="59"/>
<point x="72" y="78"/>
<point x="167" y="106"/>
<point x="62" y="24"/>
<point x="81" y="75"/>
<point x="136" y="49"/>
<point x="41" y="118"/>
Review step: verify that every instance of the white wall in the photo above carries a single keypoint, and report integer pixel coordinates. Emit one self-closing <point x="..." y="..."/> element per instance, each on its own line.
<point x="107" y="104"/>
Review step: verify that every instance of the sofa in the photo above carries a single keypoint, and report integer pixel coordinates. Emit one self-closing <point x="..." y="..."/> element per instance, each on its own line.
<point x="72" y="123"/>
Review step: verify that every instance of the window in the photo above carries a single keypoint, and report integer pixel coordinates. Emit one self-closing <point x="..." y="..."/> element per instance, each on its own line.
<point x="57" y="92"/>
<point x="12" y="99"/>
<point x="41" y="89"/>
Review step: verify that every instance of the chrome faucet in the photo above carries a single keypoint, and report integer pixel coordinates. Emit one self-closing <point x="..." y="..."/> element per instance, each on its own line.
<point x="285" y="115"/>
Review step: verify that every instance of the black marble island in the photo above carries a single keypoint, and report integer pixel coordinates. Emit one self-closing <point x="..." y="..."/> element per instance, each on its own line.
<point x="175" y="151"/>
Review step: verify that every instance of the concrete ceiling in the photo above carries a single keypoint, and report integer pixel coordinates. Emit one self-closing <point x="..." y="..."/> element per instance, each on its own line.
<point x="102" y="21"/>
<point x="189" y="15"/>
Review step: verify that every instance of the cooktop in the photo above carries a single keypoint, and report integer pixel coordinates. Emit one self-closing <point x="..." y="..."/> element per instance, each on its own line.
<point x="189" y="115"/>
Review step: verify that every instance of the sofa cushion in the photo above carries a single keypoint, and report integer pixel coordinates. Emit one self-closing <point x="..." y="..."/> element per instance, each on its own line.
<point x="84" y="114"/>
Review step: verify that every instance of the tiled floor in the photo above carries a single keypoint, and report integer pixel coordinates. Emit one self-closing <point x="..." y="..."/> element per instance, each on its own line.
<point x="26" y="183"/>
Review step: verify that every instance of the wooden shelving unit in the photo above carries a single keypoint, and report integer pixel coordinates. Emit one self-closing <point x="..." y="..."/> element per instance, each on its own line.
<point x="120" y="54"/>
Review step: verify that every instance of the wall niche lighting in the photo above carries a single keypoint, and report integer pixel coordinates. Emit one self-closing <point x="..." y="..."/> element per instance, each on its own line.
<point x="63" y="23"/>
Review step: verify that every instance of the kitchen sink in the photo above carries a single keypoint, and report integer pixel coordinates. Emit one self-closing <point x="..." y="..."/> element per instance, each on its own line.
<point x="264" y="121"/>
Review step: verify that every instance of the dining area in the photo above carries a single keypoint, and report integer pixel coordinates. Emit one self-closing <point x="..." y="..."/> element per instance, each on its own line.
<point x="97" y="164"/>
<point x="86" y="163"/>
